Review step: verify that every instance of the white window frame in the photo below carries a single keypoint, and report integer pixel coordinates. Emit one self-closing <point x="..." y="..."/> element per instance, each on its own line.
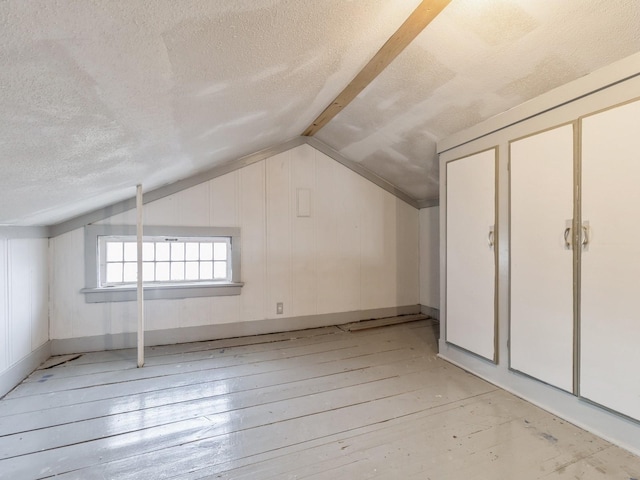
<point x="104" y="261"/>
<point x="97" y="290"/>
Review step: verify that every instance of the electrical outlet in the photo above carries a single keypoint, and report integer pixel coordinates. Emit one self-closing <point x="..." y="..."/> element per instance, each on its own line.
<point x="279" y="308"/>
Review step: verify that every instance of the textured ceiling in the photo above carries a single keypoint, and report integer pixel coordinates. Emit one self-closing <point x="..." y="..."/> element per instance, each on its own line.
<point x="98" y="95"/>
<point x="477" y="59"/>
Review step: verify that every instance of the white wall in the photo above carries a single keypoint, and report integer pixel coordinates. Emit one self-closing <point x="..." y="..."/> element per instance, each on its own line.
<point x="357" y="251"/>
<point x="24" y="291"/>
<point x="430" y="257"/>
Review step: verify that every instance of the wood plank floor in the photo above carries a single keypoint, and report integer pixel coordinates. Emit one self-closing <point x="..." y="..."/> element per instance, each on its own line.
<point x="315" y="404"/>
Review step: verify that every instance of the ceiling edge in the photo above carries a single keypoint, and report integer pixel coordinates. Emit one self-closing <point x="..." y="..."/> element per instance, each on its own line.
<point x="605" y="77"/>
<point x="12" y="231"/>
<point x="228" y="167"/>
<point x="166" y="190"/>
<point x="428" y="203"/>
<point x="362" y="171"/>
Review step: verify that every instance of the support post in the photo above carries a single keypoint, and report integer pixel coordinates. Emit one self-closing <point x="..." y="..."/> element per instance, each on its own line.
<point x="140" y="279"/>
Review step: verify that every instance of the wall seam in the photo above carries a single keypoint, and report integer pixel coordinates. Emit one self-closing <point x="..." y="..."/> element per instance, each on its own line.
<point x="293" y="194"/>
<point x="265" y="245"/>
<point x="314" y="213"/>
<point x="49" y="259"/>
<point x="5" y="307"/>
<point x="9" y="330"/>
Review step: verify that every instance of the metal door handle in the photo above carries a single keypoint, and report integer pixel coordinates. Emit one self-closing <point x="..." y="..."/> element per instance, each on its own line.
<point x="490" y="238"/>
<point x="567" y="240"/>
<point x="585" y="236"/>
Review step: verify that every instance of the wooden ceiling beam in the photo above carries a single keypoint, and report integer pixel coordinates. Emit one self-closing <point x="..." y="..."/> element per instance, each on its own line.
<point x="410" y="29"/>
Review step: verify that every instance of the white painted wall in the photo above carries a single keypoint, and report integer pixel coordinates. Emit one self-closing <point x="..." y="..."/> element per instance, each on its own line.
<point x="24" y="291"/>
<point x="357" y="251"/>
<point x="430" y="257"/>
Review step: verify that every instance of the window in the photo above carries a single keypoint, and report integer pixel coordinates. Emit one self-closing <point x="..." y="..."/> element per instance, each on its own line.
<point x="177" y="262"/>
<point x="164" y="259"/>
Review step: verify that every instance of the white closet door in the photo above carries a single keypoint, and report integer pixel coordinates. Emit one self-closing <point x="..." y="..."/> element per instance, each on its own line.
<point x="470" y="311"/>
<point x="541" y="333"/>
<point x="610" y="293"/>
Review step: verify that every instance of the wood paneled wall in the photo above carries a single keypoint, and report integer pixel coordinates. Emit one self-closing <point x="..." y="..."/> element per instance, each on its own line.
<point x="357" y="250"/>
<point x="24" y="290"/>
<point x="430" y="257"/>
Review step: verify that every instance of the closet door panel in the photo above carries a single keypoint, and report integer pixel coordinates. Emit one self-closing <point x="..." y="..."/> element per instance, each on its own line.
<point x="470" y="282"/>
<point x="610" y="280"/>
<point x="541" y="317"/>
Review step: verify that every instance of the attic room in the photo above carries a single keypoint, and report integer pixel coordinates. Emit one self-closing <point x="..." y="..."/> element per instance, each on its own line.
<point x="319" y="239"/>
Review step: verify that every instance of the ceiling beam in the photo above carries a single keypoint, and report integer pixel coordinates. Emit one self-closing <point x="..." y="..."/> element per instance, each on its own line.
<point x="410" y="29"/>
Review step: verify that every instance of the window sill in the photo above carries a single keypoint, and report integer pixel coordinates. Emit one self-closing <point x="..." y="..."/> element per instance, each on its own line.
<point x="157" y="292"/>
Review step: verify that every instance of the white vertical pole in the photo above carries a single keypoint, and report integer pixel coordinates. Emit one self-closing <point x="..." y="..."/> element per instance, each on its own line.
<point x="140" y="283"/>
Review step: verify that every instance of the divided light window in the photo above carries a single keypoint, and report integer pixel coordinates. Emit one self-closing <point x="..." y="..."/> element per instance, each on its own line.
<point x="165" y="260"/>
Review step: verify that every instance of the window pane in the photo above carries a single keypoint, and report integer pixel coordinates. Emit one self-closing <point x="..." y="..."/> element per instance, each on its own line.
<point x="130" y="272"/>
<point x="192" y="251"/>
<point x="114" y="272"/>
<point x="114" y="251"/>
<point x="177" y="271"/>
<point x="191" y="271"/>
<point x="187" y="259"/>
<point x="148" y="271"/>
<point x="148" y="250"/>
<point x="177" y="251"/>
<point x="206" y="270"/>
<point x="162" y="252"/>
<point x="219" y="270"/>
<point x="130" y="252"/>
<point x="206" y="251"/>
<point x="162" y="272"/>
<point x="220" y="251"/>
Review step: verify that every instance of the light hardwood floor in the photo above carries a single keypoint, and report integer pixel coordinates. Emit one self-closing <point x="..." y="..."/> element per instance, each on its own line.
<point x="314" y="404"/>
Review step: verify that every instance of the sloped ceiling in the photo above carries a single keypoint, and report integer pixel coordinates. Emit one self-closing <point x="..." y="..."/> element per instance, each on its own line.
<point x="477" y="59"/>
<point x="99" y="95"/>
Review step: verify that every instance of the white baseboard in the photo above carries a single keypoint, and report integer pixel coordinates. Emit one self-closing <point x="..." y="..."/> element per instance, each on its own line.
<point x="16" y="373"/>
<point x="227" y="330"/>
<point x="431" y="311"/>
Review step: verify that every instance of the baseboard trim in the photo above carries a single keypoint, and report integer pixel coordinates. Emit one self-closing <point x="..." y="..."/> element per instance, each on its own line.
<point x="226" y="330"/>
<point x="431" y="311"/>
<point x="16" y="373"/>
